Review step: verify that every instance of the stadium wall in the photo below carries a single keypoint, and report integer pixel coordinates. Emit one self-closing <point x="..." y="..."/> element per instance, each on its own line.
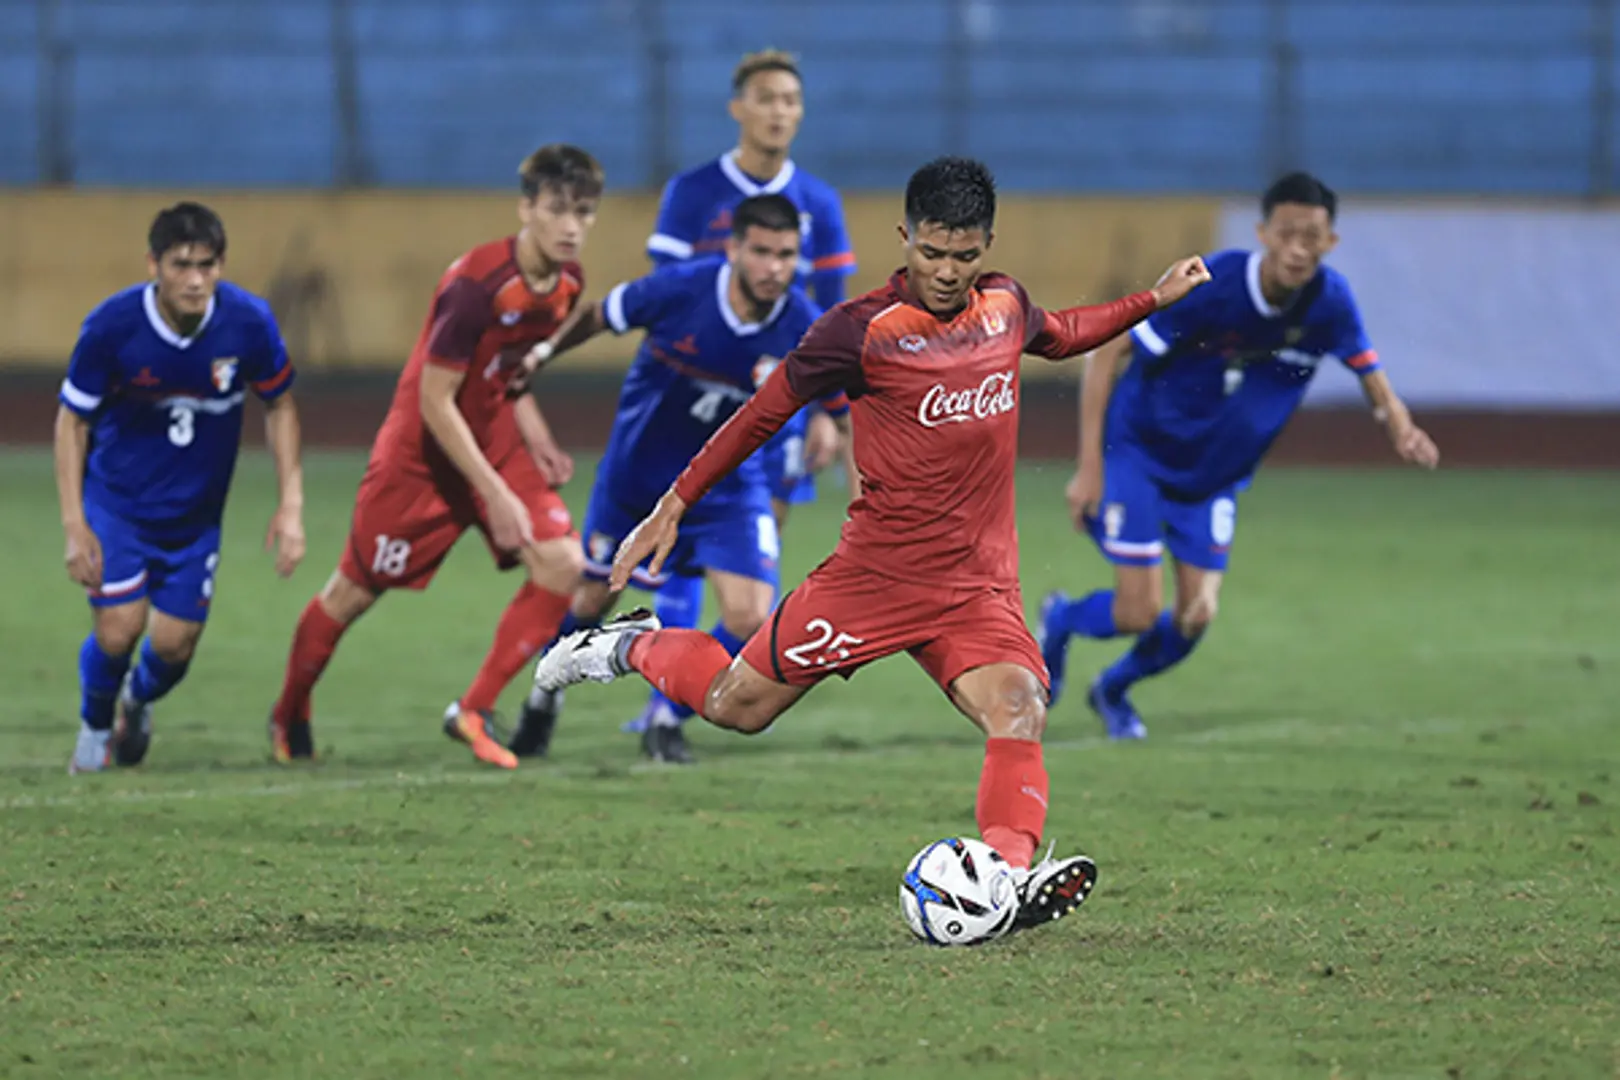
<point x="1497" y="320"/>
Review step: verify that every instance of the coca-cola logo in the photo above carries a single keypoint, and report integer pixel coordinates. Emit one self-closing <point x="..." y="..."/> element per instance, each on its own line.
<point x="995" y="396"/>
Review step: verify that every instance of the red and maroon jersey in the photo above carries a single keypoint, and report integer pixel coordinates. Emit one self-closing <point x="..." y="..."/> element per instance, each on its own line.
<point x="935" y="410"/>
<point x="484" y="319"/>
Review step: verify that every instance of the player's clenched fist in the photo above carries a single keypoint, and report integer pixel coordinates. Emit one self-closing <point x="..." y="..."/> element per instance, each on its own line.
<point x="83" y="556"/>
<point x="1182" y="278"/>
<point x="655" y="536"/>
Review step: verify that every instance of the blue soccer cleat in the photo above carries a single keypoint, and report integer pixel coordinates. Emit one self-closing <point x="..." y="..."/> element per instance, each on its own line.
<point x="1113" y="706"/>
<point x="1054" y="642"/>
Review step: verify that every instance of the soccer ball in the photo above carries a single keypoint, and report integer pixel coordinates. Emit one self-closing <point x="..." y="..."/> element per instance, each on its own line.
<point x="958" y="891"/>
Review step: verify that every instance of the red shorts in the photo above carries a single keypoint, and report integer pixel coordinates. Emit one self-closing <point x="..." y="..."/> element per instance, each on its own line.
<point x="406" y="523"/>
<point x="845" y="616"/>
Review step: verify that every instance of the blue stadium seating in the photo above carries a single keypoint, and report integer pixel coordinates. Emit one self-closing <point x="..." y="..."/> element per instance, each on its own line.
<point x="1112" y="95"/>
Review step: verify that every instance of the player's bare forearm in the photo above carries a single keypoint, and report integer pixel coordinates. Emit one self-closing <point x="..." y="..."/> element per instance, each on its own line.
<point x="1411" y="442"/>
<point x="72" y="442"/>
<point x="449" y="428"/>
<point x="1096" y="387"/>
<point x="284" y="435"/>
<point x="584" y="323"/>
<point x="749" y="428"/>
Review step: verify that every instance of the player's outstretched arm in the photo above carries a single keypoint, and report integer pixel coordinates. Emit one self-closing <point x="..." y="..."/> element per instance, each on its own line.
<point x="72" y="442"/>
<point x="284" y="435"/>
<point x="1077" y="330"/>
<point x="509" y="523"/>
<point x="1411" y="442"/>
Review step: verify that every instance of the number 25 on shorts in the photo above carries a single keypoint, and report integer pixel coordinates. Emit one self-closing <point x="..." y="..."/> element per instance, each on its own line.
<point x="827" y="646"/>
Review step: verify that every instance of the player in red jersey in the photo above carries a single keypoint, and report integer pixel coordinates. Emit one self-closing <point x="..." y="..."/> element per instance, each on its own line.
<point x="464" y="445"/>
<point x="928" y="562"/>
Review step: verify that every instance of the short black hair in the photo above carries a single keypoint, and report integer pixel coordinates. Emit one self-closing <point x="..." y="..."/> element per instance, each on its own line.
<point x="186" y="223"/>
<point x="1300" y="189"/>
<point x="765" y="60"/>
<point x="563" y="168"/>
<point x="955" y="192"/>
<point x="773" y="212"/>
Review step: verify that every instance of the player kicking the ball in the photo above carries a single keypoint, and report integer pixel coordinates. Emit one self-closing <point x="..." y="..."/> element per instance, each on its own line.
<point x="465" y="446"/>
<point x="928" y="563"/>
<point x="1165" y="450"/>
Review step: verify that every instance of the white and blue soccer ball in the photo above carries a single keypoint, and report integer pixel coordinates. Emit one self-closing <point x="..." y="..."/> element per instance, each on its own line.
<point x="959" y="891"/>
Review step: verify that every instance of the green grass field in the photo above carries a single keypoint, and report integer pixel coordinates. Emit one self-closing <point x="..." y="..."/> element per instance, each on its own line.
<point x="1373" y="833"/>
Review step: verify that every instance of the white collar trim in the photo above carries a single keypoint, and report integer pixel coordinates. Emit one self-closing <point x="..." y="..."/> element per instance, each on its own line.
<point x="747" y="184"/>
<point x="722" y="293"/>
<point x="1257" y="295"/>
<point x="154" y="318"/>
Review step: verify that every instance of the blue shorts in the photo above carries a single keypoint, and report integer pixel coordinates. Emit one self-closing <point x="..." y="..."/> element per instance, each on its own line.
<point x="172" y="568"/>
<point x="783" y="458"/>
<point x="734" y="537"/>
<point x="1138" y="518"/>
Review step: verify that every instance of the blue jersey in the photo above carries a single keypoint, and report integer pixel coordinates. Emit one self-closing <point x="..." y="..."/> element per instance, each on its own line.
<point x="165" y="411"/>
<point x="694" y="218"/>
<point x="1214" y="379"/>
<point x="696" y="366"/>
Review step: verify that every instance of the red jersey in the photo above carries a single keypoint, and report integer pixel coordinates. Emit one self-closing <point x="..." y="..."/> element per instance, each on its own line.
<point x="935" y="412"/>
<point x="484" y="319"/>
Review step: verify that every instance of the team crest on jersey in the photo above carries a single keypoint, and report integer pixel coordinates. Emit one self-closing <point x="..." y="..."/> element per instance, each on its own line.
<point x="913" y="343"/>
<point x="600" y="548"/>
<point x="1113" y="520"/>
<point x="763" y="368"/>
<point x="224" y="373"/>
<point x="511" y="318"/>
<point x="995" y="324"/>
<point x="1294" y="335"/>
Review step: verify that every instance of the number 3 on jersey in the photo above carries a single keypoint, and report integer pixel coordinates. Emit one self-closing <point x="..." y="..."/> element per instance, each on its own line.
<point x="827" y="647"/>
<point x="182" y="425"/>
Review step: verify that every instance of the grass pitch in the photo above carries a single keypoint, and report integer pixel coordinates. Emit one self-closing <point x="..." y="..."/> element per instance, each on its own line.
<point x="1373" y="833"/>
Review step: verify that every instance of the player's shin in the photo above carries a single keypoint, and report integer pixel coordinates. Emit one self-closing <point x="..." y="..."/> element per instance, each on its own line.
<point x="1090" y="616"/>
<point x="314" y="641"/>
<point x="676" y="713"/>
<point x="682" y="664"/>
<point x="530" y="621"/>
<point x="100" y="676"/>
<point x="1012" y="798"/>
<point x="154" y="675"/>
<point x="1161" y="648"/>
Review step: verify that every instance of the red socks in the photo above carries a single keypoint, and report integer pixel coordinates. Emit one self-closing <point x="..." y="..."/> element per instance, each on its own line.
<point x="529" y="622"/>
<point x="1012" y="798"/>
<point x="682" y="664"/>
<point x="312" y="646"/>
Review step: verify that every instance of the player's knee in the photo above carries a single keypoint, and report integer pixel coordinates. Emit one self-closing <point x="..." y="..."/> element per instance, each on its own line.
<point x="1196" y="615"/>
<point x="118" y="630"/>
<point x="555" y="565"/>
<point x="345" y="601"/>
<point x="742" y="621"/>
<point x="1018" y="711"/>
<point x="592" y="600"/>
<point x="729" y="705"/>
<point x="1134" y="614"/>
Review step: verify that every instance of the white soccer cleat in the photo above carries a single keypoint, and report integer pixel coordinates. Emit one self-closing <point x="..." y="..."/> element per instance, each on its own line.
<point x="600" y="654"/>
<point x="1052" y="889"/>
<point x="93" y="752"/>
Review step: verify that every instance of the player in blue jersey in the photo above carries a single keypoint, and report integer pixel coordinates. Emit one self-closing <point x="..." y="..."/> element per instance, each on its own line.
<point x="716" y="327"/>
<point x="1164" y="450"/>
<point x="694" y="219"/>
<point x="146" y="441"/>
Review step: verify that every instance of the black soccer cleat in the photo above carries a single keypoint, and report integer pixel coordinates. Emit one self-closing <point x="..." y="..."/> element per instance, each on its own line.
<point x="290" y="742"/>
<point x="667" y="744"/>
<point x="537" y="722"/>
<point x="132" y="729"/>
<point x="1054" y="889"/>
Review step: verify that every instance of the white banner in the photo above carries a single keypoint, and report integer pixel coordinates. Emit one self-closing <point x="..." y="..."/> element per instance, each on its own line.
<point x="1478" y="306"/>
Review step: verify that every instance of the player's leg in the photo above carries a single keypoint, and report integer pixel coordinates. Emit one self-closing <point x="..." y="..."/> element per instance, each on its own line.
<point x="982" y="654"/>
<point x="323" y="622"/>
<point x="1200" y="539"/>
<point x="104" y="660"/>
<point x="678" y="605"/>
<point x="1128" y="530"/>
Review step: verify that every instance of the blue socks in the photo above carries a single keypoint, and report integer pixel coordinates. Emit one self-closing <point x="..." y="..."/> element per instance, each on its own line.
<point x="100" y="677"/>
<point x="1162" y="647"/>
<point x="1090" y="616"/>
<point x="680" y="602"/>
<point x="155" y="676"/>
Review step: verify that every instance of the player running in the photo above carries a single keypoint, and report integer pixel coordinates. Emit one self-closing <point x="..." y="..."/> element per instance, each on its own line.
<point x="695" y="219"/>
<point x="1165" y="450"/>
<point x="464" y="445"/>
<point x="146" y="442"/>
<point x="928" y="562"/>
<point x="716" y="328"/>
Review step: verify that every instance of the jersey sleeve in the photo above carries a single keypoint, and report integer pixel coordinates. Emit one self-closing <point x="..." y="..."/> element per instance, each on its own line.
<point x="461" y="314"/>
<point x="1058" y="335"/>
<point x="677" y="227"/>
<point x="1350" y="342"/>
<point x="90" y="370"/>
<point x="266" y="367"/>
<point x="644" y="301"/>
<point x="832" y="256"/>
<point x="1163" y="330"/>
<point x="827" y="363"/>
